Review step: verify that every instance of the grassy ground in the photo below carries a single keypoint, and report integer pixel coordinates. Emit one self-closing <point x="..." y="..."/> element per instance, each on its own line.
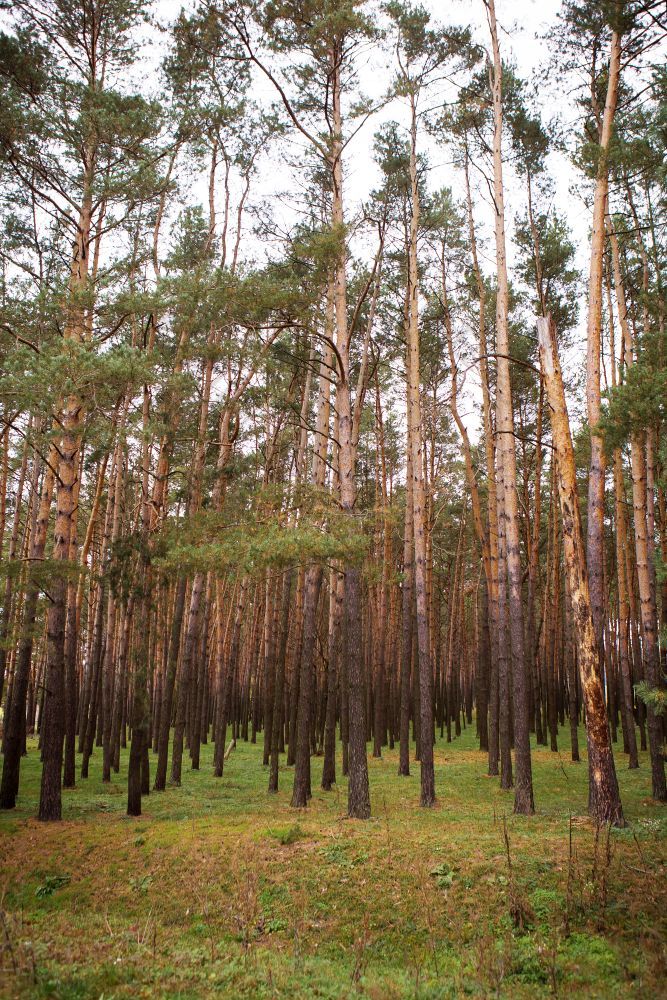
<point x="220" y="890"/>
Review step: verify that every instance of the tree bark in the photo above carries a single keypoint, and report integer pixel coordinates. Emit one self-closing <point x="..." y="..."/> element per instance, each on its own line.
<point x="604" y="797"/>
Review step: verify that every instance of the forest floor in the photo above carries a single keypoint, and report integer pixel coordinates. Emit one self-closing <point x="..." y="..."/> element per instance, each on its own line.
<point x="220" y="890"/>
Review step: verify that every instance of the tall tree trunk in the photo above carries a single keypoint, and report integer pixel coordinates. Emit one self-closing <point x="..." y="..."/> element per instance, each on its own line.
<point x="596" y="475"/>
<point x="643" y="549"/>
<point x="70" y="421"/>
<point x="506" y="457"/>
<point x="492" y="501"/>
<point x="185" y="680"/>
<point x="359" y="804"/>
<point x="160" y="782"/>
<point x="336" y="582"/>
<point x="278" y="706"/>
<point x="313" y="580"/>
<point x="604" y="798"/>
<point x="621" y="538"/>
<point x="418" y="488"/>
<point x="407" y="602"/>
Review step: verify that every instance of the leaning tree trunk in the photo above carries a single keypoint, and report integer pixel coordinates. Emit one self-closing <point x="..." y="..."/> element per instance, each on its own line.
<point x="604" y="798"/>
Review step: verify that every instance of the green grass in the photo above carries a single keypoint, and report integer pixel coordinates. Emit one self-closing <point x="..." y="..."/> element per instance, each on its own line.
<point x="221" y="890"/>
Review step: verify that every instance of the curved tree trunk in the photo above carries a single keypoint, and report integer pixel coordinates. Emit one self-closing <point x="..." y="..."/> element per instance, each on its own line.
<point x="604" y="797"/>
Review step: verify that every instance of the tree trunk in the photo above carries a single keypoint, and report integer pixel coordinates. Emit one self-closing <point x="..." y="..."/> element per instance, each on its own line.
<point x="418" y="488"/>
<point x="359" y="805"/>
<point x="604" y="798"/>
<point x="506" y="460"/>
<point x="596" y="476"/>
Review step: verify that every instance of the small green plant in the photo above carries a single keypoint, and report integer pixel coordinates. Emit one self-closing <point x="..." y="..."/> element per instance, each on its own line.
<point x="50" y="884"/>
<point x="287" y="835"/>
<point x="274" y="924"/>
<point x="544" y="902"/>
<point x="361" y="955"/>
<point x="520" y="909"/>
<point x="443" y="874"/>
<point x="336" y="854"/>
<point x="141" y="883"/>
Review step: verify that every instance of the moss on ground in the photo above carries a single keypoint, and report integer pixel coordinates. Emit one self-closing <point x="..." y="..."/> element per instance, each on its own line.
<point x="221" y="890"/>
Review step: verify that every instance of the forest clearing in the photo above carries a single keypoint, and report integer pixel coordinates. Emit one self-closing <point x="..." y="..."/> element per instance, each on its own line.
<point x="333" y="498"/>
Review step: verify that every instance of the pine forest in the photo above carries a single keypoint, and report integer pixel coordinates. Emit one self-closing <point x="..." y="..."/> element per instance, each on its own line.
<point x="333" y="499"/>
